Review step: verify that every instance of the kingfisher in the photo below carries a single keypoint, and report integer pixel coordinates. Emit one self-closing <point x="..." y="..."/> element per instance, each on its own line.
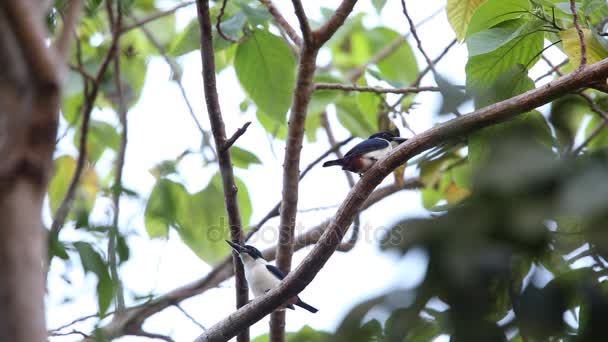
<point x="262" y="276"/>
<point x="361" y="157"/>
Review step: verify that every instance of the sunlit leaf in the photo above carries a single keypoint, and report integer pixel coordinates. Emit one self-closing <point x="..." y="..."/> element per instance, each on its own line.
<point x="492" y="12"/>
<point x="459" y="15"/>
<point x="572" y="46"/>
<point x="265" y="68"/>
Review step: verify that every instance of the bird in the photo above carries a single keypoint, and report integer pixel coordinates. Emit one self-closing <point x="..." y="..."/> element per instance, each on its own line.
<point x="262" y="276"/>
<point x="361" y="157"/>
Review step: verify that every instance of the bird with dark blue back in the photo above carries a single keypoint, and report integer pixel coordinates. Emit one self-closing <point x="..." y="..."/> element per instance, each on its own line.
<point x="262" y="276"/>
<point x="361" y="157"/>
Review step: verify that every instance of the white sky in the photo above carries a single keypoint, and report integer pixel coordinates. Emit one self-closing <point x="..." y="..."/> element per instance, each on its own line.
<point x="160" y="128"/>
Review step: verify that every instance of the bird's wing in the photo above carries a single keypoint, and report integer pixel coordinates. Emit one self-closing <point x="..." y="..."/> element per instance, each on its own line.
<point x="366" y="146"/>
<point x="276" y="271"/>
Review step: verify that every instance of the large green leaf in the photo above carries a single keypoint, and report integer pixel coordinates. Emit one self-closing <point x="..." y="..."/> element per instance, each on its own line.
<point x="243" y="158"/>
<point x="493" y="12"/>
<point x="352" y="118"/>
<point x="483" y="70"/>
<point x="200" y="219"/>
<point x="93" y="262"/>
<point x="401" y="65"/>
<point x="161" y="209"/>
<point x="265" y="68"/>
<point x="277" y="129"/>
<point x="459" y="15"/>
<point x="572" y="46"/>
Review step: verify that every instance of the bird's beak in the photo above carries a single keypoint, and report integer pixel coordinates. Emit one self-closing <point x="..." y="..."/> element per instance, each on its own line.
<point x="235" y="246"/>
<point x="399" y="140"/>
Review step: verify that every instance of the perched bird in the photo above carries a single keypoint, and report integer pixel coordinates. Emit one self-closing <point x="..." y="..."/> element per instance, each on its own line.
<point x="361" y="157"/>
<point x="261" y="276"/>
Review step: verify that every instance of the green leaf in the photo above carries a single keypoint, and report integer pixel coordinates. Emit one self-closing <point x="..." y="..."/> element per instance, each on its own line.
<point x="493" y="12"/>
<point x="93" y="262"/>
<point x="265" y="68"/>
<point x="378" y="5"/>
<point x="358" y="123"/>
<point x="186" y="41"/>
<point x="572" y="47"/>
<point x="459" y="15"/>
<point x="399" y="66"/>
<point x="243" y="158"/>
<point x="277" y="129"/>
<point x="161" y="209"/>
<point x="202" y="223"/>
<point x="600" y="141"/>
<point x="483" y="70"/>
<point x="256" y="14"/>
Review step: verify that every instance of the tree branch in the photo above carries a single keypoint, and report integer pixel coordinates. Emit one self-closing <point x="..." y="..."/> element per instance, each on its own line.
<point x="120" y="161"/>
<point x="282" y="23"/>
<point x="429" y="62"/>
<point x="581" y="34"/>
<point x="64" y="208"/>
<point x="225" y="163"/>
<point x="326" y="31"/>
<point x="235" y="136"/>
<point x="496" y="113"/>
<point x="303" y="20"/>
<point x="377" y="90"/>
<point x="218" y="24"/>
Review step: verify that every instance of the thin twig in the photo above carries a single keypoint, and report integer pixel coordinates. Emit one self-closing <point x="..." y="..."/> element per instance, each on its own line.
<point x="426" y="70"/>
<point x="282" y="23"/>
<point x="417" y="38"/>
<point x="177" y="74"/>
<point x="156" y="16"/>
<point x="554" y="69"/>
<point x="235" y="136"/>
<point x="386" y="51"/>
<point x="179" y="307"/>
<point x="581" y="34"/>
<point x="142" y="333"/>
<point x="377" y="90"/>
<point x="218" y="24"/>
<point x="62" y="213"/>
<point x="219" y="134"/>
<point x="120" y="161"/>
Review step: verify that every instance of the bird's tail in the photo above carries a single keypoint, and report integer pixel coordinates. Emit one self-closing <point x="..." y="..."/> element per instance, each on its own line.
<point x="305" y="306"/>
<point x="333" y="162"/>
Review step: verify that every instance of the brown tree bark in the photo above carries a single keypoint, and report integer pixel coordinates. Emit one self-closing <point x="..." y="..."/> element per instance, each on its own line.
<point x="30" y="85"/>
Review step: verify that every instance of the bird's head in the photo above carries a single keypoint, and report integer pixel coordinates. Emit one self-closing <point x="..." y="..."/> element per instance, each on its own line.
<point x="246" y="251"/>
<point x="389" y="136"/>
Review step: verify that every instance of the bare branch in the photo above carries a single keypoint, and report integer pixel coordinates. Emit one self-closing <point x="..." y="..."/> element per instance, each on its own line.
<point x="554" y="69"/>
<point x="282" y="23"/>
<point x="218" y="24"/>
<point x="156" y="16"/>
<point x="326" y="31"/>
<point x="499" y="112"/>
<point x="235" y="136"/>
<point x="435" y="61"/>
<point x="303" y="20"/>
<point x="225" y="163"/>
<point x="64" y="208"/>
<point x="179" y="307"/>
<point x="377" y="90"/>
<point x="581" y="34"/>
<point x="418" y="41"/>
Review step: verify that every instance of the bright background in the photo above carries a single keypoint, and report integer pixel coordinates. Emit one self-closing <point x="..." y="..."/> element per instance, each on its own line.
<point x="160" y="128"/>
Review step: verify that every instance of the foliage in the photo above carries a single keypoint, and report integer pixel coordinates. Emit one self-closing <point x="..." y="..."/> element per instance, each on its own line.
<point x="508" y="205"/>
